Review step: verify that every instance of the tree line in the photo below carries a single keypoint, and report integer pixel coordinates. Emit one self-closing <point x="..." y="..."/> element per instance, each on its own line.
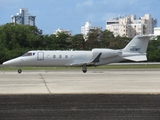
<point x="16" y="39"/>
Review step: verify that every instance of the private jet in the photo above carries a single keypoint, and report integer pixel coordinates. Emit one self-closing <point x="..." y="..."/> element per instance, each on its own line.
<point x="135" y="50"/>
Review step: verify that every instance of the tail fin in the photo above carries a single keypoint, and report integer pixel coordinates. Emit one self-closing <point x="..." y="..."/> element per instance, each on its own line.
<point x="138" y="44"/>
<point x="136" y="48"/>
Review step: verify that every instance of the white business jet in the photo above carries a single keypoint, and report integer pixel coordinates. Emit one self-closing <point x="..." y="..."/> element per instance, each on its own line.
<point x="135" y="50"/>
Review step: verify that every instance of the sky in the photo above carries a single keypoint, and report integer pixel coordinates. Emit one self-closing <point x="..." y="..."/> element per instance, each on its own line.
<point x="73" y="14"/>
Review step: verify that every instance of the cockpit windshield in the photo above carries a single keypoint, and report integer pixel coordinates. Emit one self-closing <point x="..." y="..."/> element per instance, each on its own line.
<point x="29" y="54"/>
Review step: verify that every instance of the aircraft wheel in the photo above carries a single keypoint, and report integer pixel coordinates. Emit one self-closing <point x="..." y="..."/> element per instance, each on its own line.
<point x="84" y="71"/>
<point x="19" y="71"/>
<point x="84" y="68"/>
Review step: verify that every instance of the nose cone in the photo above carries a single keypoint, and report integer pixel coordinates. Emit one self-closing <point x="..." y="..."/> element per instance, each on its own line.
<point x="13" y="62"/>
<point x="4" y="64"/>
<point x="8" y="63"/>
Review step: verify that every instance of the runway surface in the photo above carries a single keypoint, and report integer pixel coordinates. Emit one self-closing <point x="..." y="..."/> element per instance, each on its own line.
<point x="73" y="95"/>
<point x="80" y="107"/>
<point x="95" y="81"/>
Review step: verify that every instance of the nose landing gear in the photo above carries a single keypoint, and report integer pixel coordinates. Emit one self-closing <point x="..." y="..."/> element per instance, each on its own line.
<point x="19" y="71"/>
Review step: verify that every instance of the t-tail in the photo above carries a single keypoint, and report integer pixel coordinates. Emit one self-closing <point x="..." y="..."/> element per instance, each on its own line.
<point x="136" y="48"/>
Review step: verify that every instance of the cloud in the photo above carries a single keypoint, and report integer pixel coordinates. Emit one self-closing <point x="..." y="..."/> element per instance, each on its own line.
<point x="9" y="4"/>
<point x="103" y="2"/>
<point x="90" y="17"/>
<point x="132" y="2"/>
<point x="108" y="16"/>
<point x="86" y="3"/>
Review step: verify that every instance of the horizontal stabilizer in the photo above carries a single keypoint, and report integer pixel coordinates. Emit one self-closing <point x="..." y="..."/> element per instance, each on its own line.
<point x="136" y="58"/>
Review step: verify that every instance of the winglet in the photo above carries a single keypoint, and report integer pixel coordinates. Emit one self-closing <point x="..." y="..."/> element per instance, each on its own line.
<point x="97" y="58"/>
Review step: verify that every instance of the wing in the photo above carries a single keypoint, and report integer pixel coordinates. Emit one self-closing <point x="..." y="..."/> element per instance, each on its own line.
<point x="88" y="62"/>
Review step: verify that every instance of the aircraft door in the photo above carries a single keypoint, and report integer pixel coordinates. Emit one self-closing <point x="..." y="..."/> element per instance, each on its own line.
<point x="40" y="56"/>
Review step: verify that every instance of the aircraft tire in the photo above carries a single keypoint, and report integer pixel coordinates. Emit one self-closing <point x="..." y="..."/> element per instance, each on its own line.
<point x="19" y="71"/>
<point x="84" y="71"/>
<point x="84" y="68"/>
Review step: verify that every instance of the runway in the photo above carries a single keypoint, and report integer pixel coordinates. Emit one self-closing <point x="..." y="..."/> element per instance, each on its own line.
<point x="73" y="95"/>
<point x="80" y="107"/>
<point x="75" y="82"/>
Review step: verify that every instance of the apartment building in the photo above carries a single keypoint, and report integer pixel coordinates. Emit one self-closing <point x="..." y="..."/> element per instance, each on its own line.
<point x="62" y="30"/>
<point x="87" y="28"/>
<point x="23" y="17"/>
<point x="129" y="26"/>
<point x="157" y="31"/>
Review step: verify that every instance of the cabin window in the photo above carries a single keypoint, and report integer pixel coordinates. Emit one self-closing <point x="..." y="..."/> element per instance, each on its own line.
<point x="33" y="53"/>
<point x="66" y="56"/>
<point x="54" y="56"/>
<point x="60" y="56"/>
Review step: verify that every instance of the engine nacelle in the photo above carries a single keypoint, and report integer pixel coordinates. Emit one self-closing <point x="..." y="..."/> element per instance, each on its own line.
<point x="106" y="53"/>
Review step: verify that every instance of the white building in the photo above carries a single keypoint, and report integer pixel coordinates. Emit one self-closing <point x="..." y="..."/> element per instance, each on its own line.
<point x="23" y="17"/>
<point x="86" y="29"/>
<point x="157" y="31"/>
<point x="64" y="31"/>
<point x="129" y="26"/>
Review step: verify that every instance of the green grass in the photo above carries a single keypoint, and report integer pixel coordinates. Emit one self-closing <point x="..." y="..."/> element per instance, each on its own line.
<point x="149" y="66"/>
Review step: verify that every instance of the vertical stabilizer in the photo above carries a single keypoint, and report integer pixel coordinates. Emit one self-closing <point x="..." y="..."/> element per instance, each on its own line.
<point x="138" y="44"/>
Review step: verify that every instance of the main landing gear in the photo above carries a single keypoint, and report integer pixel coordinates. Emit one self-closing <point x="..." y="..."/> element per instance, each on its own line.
<point x="84" y="68"/>
<point x="19" y="71"/>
